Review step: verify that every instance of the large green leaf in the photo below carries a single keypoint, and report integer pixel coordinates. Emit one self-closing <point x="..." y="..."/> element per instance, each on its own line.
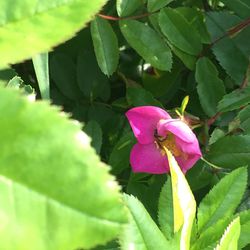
<point x="54" y="191"/>
<point x="41" y="66"/>
<point x="148" y="44"/>
<point x="222" y="200"/>
<point x="30" y="27"/>
<point x="165" y="210"/>
<point x="154" y="5"/>
<point x="105" y="44"/>
<point x="234" y="100"/>
<point x="240" y="7"/>
<point x="179" y="32"/>
<point x="230" y="151"/>
<point x="236" y="47"/>
<point x="208" y="81"/>
<point x="229" y="240"/>
<point x="127" y="7"/>
<point x="142" y="232"/>
<point x="245" y="228"/>
<point x="183" y="203"/>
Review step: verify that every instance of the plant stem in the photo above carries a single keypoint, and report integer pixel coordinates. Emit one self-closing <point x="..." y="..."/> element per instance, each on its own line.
<point x="211" y="164"/>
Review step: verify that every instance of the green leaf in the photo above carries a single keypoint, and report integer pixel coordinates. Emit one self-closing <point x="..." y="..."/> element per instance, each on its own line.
<point x="240" y="7"/>
<point x="154" y="5"/>
<point x="35" y="25"/>
<point x="6" y="75"/>
<point x="208" y="81"/>
<point x="216" y="135"/>
<point x="234" y="100"/>
<point x="63" y="73"/>
<point x="141" y="97"/>
<point x="165" y="210"/>
<point x="183" y="202"/>
<point x="236" y="47"/>
<point x="244" y="239"/>
<point x="41" y="66"/>
<point x="229" y="240"/>
<point x="230" y="151"/>
<point x="222" y="200"/>
<point x="127" y="7"/>
<point x="49" y="175"/>
<point x="105" y="45"/>
<point x="141" y="232"/>
<point x="179" y="32"/>
<point x="244" y="118"/>
<point x="148" y="44"/>
<point x="94" y="130"/>
<point x="119" y="157"/>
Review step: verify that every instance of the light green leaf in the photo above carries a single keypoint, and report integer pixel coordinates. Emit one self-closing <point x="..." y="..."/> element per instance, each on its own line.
<point x="49" y="175"/>
<point x="30" y="27"/>
<point x="234" y="100"/>
<point x="236" y="47"/>
<point x="229" y="240"/>
<point x="240" y="7"/>
<point x="119" y="157"/>
<point x="141" y="97"/>
<point x="141" y="233"/>
<point x="94" y="130"/>
<point x="127" y="7"/>
<point x="183" y="203"/>
<point x="105" y="45"/>
<point x="179" y="32"/>
<point x="148" y="44"/>
<point x="244" y="239"/>
<point x="165" y="210"/>
<point x="230" y="151"/>
<point x="154" y="5"/>
<point x="41" y="66"/>
<point x="208" y="81"/>
<point x="222" y="200"/>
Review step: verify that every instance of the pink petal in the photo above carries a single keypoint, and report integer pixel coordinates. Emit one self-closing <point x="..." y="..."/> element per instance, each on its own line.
<point x="186" y="164"/>
<point x="177" y="127"/>
<point x="148" y="159"/>
<point x="143" y="121"/>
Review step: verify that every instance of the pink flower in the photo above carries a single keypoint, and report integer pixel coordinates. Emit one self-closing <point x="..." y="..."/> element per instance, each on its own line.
<point x="154" y="129"/>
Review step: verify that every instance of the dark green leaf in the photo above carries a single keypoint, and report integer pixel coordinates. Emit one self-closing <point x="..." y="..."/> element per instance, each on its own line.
<point x="105" y="45"/>
<point x="148" y="44"/>
<point x="127" y="7"/>
<point x="154" y="5"/>
<point x="222" y="200"/>
<point x="230" y="152"/>
<point x="234" y="100"/>
<point x="179" y="32"/>
<point x="240" y="7"/>
<point x="210" y="88"/>
<point x="244" y="117"/>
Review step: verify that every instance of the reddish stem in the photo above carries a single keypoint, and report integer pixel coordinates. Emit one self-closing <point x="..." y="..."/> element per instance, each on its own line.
<point x="114" y="18"/>
<point x="213" y="119"/>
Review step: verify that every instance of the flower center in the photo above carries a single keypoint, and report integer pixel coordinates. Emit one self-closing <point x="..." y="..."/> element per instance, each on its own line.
<point x="169" y="143"/>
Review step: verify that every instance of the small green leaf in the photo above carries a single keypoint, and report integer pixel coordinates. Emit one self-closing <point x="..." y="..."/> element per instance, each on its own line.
<point x="148" y="44"/>
<point x="230" y="151"/>
<point x="208" y="81"/>
<point x="165" y="210"/>
<point x="183" y="202"/>
<point x="94" y="131"/>
<point x="6" y="75"/>
<point x="244" y="239"/>
<point x="179" y="32"/>
<point x="105" y="45"/>
<point x="244" y="118"/>
<point x="49" y="176"/>
<point x="229" y="240"/>
<point x="222" y="200"/>
<point x="34" y="24"/>
<point x="141" y="232"/>
<point x="41" y="66"/>
<point x="127" y="7"/>
<point x="184" y="104"/>
<point x="154" y="5"/>
<point x="234" y="100"/>
<point x="141" y="97"/>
